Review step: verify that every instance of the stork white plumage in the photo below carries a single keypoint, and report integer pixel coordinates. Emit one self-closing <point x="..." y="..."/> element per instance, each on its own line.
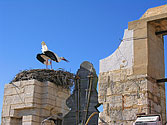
<point x="47" y="54"/>
<point x="44" y="47"/>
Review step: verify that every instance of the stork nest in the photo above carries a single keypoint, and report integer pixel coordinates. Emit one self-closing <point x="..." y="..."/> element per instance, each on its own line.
<point x="58" y="77"/>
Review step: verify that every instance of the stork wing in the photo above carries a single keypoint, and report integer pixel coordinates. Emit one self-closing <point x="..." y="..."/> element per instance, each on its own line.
<point x="43" y="59"/>
<point x="51" y="55"/>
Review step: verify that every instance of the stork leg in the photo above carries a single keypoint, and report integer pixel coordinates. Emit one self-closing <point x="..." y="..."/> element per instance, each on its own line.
<point x="47" y="64"/>
<point x="51" y="63"/>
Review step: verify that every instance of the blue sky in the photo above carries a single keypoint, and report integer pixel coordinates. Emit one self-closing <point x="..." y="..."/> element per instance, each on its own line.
<point x="76" y="29"/>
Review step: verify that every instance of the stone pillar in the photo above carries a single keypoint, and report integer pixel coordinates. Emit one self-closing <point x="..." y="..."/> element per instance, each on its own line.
<point x="29" y="102"/>
<point x="127" y="79"/>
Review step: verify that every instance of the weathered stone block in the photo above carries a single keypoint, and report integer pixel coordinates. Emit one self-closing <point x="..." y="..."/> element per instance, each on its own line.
<point x="6" y="111"/>
<point x="32" y="100"/>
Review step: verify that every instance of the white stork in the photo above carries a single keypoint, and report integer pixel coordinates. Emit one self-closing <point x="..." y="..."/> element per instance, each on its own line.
<point x="47" y="54"/>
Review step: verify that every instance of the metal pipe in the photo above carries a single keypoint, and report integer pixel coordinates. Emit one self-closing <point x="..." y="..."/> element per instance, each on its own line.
<point x="78" y="82"/>
<point x="76" y="88"/>
<point x="161" y="80"/>
<point x="94" y="113"/>
<point x="89" y="95"/>
<point x="161" y="32"/>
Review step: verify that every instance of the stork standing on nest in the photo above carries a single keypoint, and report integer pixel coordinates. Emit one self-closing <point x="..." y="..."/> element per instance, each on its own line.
<point x="47" y="54"/>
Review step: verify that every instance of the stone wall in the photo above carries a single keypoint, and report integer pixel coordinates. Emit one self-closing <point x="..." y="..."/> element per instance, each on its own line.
<point x="32" y="101"/>
<point x="127" y="80"/>
<point x="123" y="96"/>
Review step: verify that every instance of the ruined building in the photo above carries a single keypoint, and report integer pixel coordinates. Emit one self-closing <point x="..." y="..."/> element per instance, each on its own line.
<point x="40" y="96"/>
<point x="127" y="79"/>
<point x="127" y="83"/>
<point x="36" y="95"/>
<point x="84" y="98"/>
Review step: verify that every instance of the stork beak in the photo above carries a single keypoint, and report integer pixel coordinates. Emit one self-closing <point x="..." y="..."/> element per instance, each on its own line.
<point x="43" y="43"/>
<point x="65" y="60"/>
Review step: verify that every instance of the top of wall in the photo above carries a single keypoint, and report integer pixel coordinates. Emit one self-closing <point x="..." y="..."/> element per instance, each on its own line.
<point x="122" y="58"/>
<point x="155" y="11"/>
